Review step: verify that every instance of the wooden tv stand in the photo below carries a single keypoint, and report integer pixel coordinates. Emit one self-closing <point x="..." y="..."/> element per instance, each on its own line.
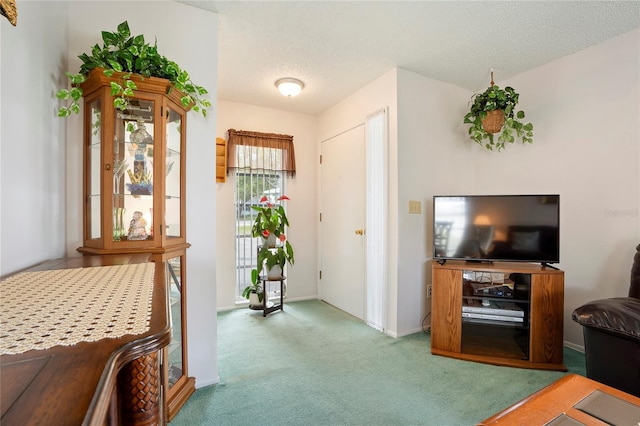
<point x="534" y="341"/>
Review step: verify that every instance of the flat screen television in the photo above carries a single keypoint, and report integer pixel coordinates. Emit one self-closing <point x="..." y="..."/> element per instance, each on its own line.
<point x="508" y="228"/>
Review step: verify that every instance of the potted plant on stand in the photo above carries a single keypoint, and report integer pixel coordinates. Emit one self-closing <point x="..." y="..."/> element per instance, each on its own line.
<point x="493" y="111"/>
<point x="274" y="253"/>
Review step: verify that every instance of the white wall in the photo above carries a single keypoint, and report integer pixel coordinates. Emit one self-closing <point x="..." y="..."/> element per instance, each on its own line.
<point x="427" y="155"/>
<point x="585" y="109"/>
<point x="301" y="210"/>
<point x="425" y="133"/>
<point x="586" y="118"/>
<point x="351" y="112"/>
<point x="188" y="36"/>
<point x="32" y="149"/>
<point x="433" y="158"/>
<point x="587" y="148"/>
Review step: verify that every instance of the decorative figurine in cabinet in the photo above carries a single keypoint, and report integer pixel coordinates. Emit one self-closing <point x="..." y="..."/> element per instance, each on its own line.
<point x="134" y="187"/>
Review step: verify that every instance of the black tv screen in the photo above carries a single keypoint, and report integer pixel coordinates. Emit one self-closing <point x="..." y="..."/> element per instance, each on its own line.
<point x="513" y="228"/>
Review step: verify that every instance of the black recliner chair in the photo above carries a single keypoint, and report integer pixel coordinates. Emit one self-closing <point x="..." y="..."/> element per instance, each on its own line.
<point x="612" y="336"/>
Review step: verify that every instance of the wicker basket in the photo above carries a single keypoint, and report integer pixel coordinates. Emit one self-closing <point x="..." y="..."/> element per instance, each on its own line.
<point x="493" y="122"/>
<point x="8" y="8"/>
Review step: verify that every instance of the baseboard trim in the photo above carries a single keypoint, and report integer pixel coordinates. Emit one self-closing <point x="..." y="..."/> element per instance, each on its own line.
<point x="203" y="383"/>
<point x="574" y="346"/>
<point x="243" y="305"/>
<point x="299" y="299"/>
<point x="410" y="331"/>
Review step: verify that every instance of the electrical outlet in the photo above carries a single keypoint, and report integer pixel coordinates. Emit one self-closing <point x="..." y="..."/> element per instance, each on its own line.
<point x="429" y="288"/>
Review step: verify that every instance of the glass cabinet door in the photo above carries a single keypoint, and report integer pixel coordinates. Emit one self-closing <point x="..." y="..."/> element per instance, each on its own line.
<point x="175" y="355"/>
<point x="173" y="184"/>
<point x="133" y="154"/>
<point x="94" y="213"/>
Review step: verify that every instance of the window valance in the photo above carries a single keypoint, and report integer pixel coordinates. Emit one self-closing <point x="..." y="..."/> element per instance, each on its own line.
<point x="262" y="152"/>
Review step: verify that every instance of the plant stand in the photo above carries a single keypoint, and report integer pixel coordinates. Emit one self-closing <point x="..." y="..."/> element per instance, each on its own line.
<point x="268" y="306"/>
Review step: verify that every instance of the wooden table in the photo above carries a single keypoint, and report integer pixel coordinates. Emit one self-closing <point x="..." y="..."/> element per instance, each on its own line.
<point x="558" y="399"/>
<point x="111" y="381"/>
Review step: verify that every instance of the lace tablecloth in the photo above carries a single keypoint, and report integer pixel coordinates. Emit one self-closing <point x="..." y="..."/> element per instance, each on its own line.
<point x="39" y="310"/>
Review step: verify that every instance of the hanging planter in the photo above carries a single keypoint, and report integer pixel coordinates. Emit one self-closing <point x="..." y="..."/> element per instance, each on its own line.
<point x="493" y="122"/>
<point x="493" y="112"/>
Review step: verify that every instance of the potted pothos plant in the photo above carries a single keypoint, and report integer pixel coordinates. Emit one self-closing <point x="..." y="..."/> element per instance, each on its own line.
<point x="269" y="224"/>
<point x="497" y="106"/>
<point x="130" y="58"/>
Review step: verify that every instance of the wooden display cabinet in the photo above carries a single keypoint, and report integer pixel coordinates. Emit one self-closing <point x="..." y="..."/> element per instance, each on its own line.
<point x="178" y="384"/>
<point x="134" y="194"/>
<point x="533" y="341"/>
<point x="134" y="161"/>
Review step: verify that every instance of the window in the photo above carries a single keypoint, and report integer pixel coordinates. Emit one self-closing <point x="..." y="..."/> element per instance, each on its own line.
<point x="259" y="162"/>
<point x="250" y="187"/>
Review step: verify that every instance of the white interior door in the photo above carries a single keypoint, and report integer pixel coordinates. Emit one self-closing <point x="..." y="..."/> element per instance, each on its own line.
<point x="342" y="237"/>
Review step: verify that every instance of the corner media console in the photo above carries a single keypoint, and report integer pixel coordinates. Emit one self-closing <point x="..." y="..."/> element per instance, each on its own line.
<point x="508" y="314"/>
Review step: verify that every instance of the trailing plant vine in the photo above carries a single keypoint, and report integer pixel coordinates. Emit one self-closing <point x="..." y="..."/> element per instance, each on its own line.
<point x="505" y="100"/>
<point x="132" y="56"/>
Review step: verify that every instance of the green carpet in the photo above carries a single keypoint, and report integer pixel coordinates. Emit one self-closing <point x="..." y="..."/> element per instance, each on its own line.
<point x="315" y="365"/>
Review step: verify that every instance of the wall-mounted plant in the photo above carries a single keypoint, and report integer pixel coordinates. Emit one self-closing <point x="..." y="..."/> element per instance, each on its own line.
<point x="137" y="59"/>
<point x="494" y="111"/>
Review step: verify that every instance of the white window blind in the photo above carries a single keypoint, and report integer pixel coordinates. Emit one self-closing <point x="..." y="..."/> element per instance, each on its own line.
<point x="376" y="221"/>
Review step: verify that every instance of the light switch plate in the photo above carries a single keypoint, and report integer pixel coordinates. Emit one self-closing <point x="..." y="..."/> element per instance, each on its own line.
<point x="415" y="207"/>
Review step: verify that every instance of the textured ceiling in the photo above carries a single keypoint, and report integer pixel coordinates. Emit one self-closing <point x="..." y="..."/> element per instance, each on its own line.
<point x="337" y="47"/>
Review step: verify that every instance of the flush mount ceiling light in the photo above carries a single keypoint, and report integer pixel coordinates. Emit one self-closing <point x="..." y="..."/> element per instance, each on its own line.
<point x="289" y="86"/>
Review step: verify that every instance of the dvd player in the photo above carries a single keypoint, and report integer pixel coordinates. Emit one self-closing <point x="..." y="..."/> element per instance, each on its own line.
<point x="493" y="290"/>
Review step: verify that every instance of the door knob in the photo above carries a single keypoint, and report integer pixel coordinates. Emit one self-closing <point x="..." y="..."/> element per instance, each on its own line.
<point x="359" y="231"/>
